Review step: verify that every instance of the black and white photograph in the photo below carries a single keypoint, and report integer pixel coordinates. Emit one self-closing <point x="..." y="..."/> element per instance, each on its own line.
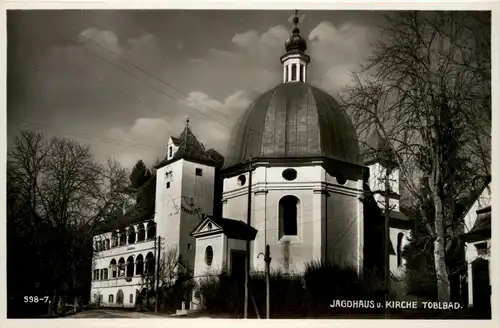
<point x="248" y="164"/>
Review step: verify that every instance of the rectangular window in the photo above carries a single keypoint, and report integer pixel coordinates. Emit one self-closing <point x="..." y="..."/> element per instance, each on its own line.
<point x="168" y="184"/>
<point x="199" y="172"/>
<point x="170" y="151"/>
<point x="110" y="298"/>
<point x="101" y="297"/>
<point x="189" y="246"/>
<point x="131" y="298"/>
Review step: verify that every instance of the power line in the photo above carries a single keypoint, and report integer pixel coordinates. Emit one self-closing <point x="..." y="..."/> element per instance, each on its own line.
<point x="154" y="87"/>
<point x="86" y="136"/>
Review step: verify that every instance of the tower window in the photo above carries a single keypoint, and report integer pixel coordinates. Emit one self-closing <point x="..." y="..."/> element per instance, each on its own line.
<point x="302" y="78"/>
<point x="288" y="210"/>
<point x="209" y="255"/>
<point x="168" y="184"/>
<point x="286" y="73"/>
<point x="170" y="151"/>
<point x="199" y="172"/>
<point x="400" y="249"/>
<point x="294" y="72"/>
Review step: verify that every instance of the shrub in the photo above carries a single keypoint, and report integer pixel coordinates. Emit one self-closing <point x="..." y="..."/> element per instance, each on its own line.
<point x="291" y="295"/>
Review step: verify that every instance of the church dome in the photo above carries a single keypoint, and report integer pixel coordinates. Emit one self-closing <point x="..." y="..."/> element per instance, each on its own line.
<point x="293" y="121"/>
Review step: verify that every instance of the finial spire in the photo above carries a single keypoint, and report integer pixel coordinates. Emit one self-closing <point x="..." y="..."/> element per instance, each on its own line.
<point x="187" y="121"/>
<point x="296" y="22"/>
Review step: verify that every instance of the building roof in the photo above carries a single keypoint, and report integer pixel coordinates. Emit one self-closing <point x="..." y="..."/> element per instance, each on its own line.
<point x="176" y="141"/>
<point x="376" y="148"/>
<point x="482" y="226"/>
<point x="293" y="120"/>
<point x="190" y="148"/>
<point x="143" y="210"/>
<point x="231" y="228"/>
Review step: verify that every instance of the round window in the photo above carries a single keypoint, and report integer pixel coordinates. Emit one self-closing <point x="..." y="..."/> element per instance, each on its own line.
<point x="341" y="179"/>
<point x="242" y="180"/>
<point x="209" y="226"/>
<point x="289" y="174"/>
<point x="209" y="255"/>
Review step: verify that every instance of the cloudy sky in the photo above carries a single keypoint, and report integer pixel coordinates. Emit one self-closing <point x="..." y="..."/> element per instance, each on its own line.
<point x="124" y="81"/>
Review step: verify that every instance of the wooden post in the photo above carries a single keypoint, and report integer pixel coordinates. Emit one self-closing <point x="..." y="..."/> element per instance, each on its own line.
<point x="249" y="219"/>
<point x="267" y="259"/>
<point x="158" y="274"/>
<point x="387" y="238"/>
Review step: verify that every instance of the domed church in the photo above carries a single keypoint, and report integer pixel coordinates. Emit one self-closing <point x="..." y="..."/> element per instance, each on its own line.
<point x="308" y="184"/>
<point x="294" y="178"/>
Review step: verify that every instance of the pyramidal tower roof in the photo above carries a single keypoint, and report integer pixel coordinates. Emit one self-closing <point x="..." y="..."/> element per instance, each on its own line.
<point x="376" y="148"/>
<point x="190" y="148"/>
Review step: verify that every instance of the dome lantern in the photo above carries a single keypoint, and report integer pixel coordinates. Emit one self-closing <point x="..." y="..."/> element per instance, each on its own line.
<point x="295" y="60"/>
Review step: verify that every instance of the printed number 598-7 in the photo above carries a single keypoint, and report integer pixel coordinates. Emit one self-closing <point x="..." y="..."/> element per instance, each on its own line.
<point x="35" y="299"/>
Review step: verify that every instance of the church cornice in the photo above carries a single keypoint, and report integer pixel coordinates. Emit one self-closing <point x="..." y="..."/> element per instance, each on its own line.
<point x="264" y="187"/>
<point x="325" y="162"/>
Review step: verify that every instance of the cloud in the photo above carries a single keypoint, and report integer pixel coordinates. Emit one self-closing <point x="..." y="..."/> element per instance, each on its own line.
<point x="153" y="133"/>
<point x="336" y="50"/>
<point x="104" y="38"/>
<point x="142" y="51"/>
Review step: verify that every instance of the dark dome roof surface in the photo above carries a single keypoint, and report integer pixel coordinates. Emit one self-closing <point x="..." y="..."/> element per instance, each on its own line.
<point x="293" y="120"/>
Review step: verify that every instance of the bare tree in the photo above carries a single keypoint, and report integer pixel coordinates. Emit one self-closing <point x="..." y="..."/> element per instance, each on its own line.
<point x="64" y="194"/>
<point x="169" y="271"/>
<point x="427" y="88"/>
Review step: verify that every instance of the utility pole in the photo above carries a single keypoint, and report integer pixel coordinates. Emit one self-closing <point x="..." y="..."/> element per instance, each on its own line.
<point x="249" y="220"/>
<point x="157" y="274"/>
<point x="267" y="259"/>
<point x="386" y="237"/>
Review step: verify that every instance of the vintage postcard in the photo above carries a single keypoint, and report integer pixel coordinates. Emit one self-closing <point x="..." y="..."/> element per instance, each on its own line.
<point x="264" y="163"/>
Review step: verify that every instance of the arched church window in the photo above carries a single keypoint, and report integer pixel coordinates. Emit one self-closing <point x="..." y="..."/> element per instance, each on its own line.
<point x="294" y="72"/>
<point x="286" y="74"/>
<point x="209" y="255"/>
<point x="130" y="267"/>
<point x="400" y="248"/>
<point x="151" y="230"/>
<point x="170" y="151"/>
<point x="112" y="266"/>
<point x="121" y="267"/>
<point x="302" y="73"/>
<point x="141" y="233"/>
<point x="288" y="210"/>
<point x="139" y="265"/>
<point x="131" y="235"/>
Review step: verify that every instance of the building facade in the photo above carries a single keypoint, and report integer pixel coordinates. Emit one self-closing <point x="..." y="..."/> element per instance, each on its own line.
<point x="294" y="162"/>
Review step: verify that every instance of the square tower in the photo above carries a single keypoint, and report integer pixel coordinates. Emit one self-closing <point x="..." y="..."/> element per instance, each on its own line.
<point x="185" y="184"/>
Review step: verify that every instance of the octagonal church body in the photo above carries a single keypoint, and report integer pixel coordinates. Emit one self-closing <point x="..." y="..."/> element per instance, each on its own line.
<point x="314" y="194"/>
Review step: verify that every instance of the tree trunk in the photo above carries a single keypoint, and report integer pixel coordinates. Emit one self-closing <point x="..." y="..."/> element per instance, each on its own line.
<point x="443" y="284"/>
